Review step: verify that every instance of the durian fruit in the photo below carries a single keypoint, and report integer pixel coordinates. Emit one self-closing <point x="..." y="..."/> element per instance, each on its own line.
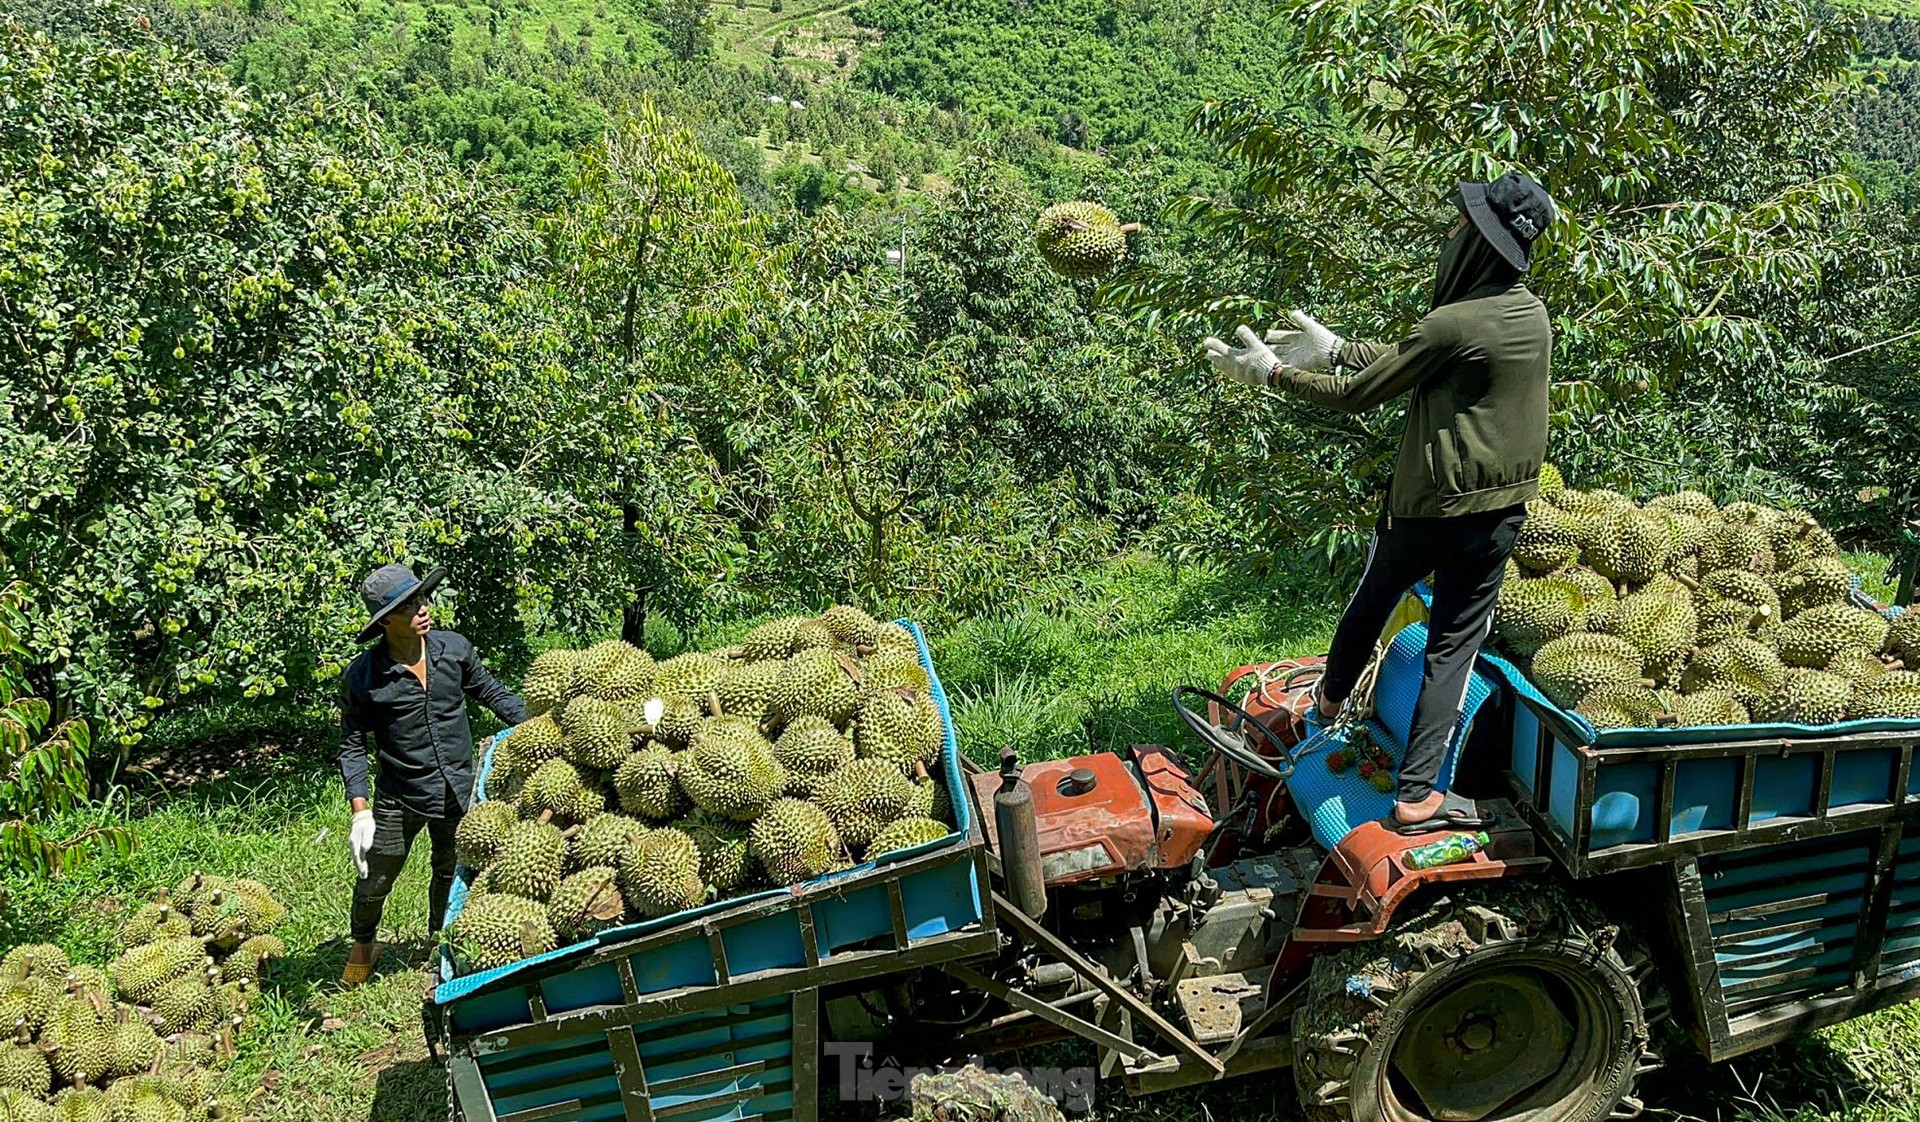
<point x="530" y="861"/>
<point x="229" y="916"/>
<point x="498" y="930"/>
<point x="482" y="830"/>
<point x="81" y="1104"/>
<point x="1630" y="546"/>
<point x="1737" y="541"/>
<point x="551" y="680"/>
<point x="269" y="912"/>
<point x="132" y="1046"/>
<point x="890" y="668"/>
<point x="679" y="719"/>
<point x="1739" y="586"/>
<point x="694" y="676"/>
<point x="598" y="660"/>
<point x="731" y="770"/>
<point x="794" y="841"/>
<point x="851" y="626"/>
<point x="931" y="799"/>
<point x="1660" y="622"/>
<point x="193" y="888"/>
<point x="18" y="1106"/>
<point x="530" y="744"/>
<point x="249" y="960"/>
<point x="1551" y="481"/>
<point x="1813" y="637"/>
<point x="1568" y="667"/>
<point x="1895" y="695"/>
<point x="1080" y="240"/>
<point x="726" y="861"/>
<point x="627" y="676"/>
<point x="747" y="688"/>
<point x="1796" y="538"/>
<point x="812" y="635"/>
<point x="1812" y="583"/>
<point x="862" y="797"/>
<point x="79" y="1041"/>
<point x="1691" y="503"/>
<point x="816" y="682"/>
<point x="648" y="783"/>
<point x="1743" y="667"/>
<point x="1721" y="619"/>
<point x="600" y="841"/>
<point x="140" y="973"/>
<point x="598" y="739"/>
<point x="895" y="637"/>
<point x="1684" y="531"/>
<point x="156" y="920"/>
<point x="1548" y="539"/>
<point x="1903" y="637"/>
<point x="1857" y="666"/>
<point x="142" y="1100"/>
<point x="902" y="727"/>
<point x="905" y="833"/>
<point x="771" y="640"/>
<point x="1806" y="697"/>
<point x="89" y="982"/>
<point x="1590" y="502"/>
<point x="184" y="1074"/>
<point x="811" y="750"/>
<point x="1532" y="612"/>
<point x="34" y="960"/>
<point x="559" y="789"/>
<point x="1707" y="707"/>
<point x="586" y="903"/>
<point x="187" y="1005"/>
<point x="660" y="873"/>
<point x="1598" y="592"/>
<point x="1622" y="705"/>
<point x="24" y="1067"/>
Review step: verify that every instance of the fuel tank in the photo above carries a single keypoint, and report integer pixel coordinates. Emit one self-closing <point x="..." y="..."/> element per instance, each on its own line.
<point x="1102" y="816"/>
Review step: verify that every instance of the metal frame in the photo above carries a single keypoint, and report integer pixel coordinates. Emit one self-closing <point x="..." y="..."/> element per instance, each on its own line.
<point x="1721" y="1035"/>
<point x="1572" y="851"/>
<point x="897" y="952"/>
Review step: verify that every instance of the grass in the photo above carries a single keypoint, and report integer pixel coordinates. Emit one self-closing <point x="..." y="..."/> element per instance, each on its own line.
<point x="1093" y="662"/>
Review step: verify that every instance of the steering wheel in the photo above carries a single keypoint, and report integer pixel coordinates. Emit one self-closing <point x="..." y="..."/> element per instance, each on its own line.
<point x="1233" y="743"/>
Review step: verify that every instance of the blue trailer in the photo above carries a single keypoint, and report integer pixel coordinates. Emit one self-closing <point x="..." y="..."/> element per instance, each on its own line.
<point x="1636" y="889"/>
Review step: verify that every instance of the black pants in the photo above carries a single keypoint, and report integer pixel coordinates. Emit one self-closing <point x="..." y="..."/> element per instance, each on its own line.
<point x="394" y="828"/>
<point x="1467" y="556"/>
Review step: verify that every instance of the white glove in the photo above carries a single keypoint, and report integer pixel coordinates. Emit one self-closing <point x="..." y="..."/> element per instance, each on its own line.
<point x="1251" y="362"/>
<point x="1312" y="347"/>
<point x="360" y="837"/>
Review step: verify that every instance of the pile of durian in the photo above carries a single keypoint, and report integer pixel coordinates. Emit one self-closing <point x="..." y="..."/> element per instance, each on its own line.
<point x="142" y="1040"/>
<point x="639" y="789"/>
<point x="1680" y="612"/>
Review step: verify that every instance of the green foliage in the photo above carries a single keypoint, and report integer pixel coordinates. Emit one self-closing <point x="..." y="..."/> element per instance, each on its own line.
<point x="43" y="767"/>
<point x="1701" y="205"/>
<point x="259" y="352"/>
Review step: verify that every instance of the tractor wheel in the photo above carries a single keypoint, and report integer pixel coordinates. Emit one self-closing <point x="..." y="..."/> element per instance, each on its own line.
<point x="1508" y="1004"/>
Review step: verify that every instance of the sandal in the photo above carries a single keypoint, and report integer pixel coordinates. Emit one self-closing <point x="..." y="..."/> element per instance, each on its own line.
<point x="1456" y="813"/>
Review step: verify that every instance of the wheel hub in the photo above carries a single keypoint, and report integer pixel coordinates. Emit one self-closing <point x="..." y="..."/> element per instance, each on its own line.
<point x="1477" y="1048"/>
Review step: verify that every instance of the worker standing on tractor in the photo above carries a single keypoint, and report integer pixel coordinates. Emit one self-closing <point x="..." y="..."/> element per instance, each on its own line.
<point x="410" y="692"/>
<point x="1476" y="436"/>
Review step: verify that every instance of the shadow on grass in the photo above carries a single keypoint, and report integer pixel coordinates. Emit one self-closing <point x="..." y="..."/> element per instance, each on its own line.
<point x="310" y="972"/>
<point x="229" y="752"/>
<point x="410" y="1091"/>
<point x="1802" y="1077"/>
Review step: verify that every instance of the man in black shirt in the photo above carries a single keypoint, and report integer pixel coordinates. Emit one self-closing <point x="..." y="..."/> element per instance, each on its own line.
<point x="410" y="693"/>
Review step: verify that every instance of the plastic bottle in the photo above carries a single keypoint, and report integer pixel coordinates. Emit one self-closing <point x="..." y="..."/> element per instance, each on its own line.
<point x="1447" y="851"/>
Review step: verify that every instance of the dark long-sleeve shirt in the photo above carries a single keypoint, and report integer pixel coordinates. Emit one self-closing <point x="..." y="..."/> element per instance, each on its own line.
<point x="424" y="741"/>
<point x="1477" y="423"/>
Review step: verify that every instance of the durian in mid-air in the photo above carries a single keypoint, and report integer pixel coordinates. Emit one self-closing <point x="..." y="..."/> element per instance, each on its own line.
<point x="1081" y="240"/>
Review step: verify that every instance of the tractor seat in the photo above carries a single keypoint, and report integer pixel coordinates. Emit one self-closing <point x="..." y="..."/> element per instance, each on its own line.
<point x="1335" y="804"/>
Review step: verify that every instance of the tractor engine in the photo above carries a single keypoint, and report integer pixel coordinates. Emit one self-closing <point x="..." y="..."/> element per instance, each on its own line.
<point x="1123" y="851"/>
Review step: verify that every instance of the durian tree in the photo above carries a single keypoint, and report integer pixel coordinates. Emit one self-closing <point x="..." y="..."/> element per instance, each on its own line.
<point x="1703" y="201"/>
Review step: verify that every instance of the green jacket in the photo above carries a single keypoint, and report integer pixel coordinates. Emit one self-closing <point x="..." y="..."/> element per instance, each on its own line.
<point x="1477" y="424"/>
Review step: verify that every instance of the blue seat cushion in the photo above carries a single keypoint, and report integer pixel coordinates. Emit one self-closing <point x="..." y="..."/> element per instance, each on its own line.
<point x="1335" y="804"/>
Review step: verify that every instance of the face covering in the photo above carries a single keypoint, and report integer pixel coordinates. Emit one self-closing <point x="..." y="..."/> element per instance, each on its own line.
<point x="1468" y="262"/>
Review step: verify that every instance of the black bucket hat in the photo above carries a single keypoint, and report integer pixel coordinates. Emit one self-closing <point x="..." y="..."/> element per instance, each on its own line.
<point x="390" y="586"/>
<point x="1510" y="213"/>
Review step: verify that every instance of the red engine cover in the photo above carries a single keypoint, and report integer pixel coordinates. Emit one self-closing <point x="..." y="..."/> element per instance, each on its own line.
<point x="1097" y="819"/>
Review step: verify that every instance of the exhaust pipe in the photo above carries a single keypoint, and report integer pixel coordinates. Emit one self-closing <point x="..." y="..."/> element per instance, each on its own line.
<point x="1019" y="839"/>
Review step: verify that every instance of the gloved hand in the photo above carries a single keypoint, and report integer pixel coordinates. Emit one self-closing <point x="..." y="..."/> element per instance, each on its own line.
<point x="1252" y="362"/>
<point x="1311" y="347"/>
<point x="360" y="837"/>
